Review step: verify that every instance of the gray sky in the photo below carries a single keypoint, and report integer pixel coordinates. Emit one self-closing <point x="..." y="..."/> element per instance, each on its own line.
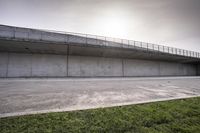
<point x="168" y="22"/>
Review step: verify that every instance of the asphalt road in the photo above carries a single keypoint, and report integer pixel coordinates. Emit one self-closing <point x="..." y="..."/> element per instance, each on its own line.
<point x="30" y="96"/>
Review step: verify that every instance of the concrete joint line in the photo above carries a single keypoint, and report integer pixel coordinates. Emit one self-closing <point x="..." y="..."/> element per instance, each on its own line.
<point x="8" y="58"/>
<point x="122" y="67"/>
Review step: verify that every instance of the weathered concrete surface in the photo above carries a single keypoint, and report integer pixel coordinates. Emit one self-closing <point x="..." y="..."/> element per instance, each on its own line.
<point x="141" y="68"/>
<point x="3" y="64"/>
<point x="198" y="70"/>
<point x="51" y="65"/>
<point x="81" y="66"/>
<point x="27" y="96"/>
<point x="19" y="65"/>
<point x="32" y="65"/>
<point x="177" y="69"/>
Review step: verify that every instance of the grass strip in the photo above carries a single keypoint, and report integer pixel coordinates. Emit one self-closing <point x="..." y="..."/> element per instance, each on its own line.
<point x="176" y="116"/>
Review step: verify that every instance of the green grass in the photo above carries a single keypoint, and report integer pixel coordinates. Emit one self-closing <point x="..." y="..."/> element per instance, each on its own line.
<point x="177" y="116"/>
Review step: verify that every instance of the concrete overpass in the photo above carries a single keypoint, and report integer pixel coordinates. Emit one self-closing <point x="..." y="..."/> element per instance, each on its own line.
<point x="40" y="53"/>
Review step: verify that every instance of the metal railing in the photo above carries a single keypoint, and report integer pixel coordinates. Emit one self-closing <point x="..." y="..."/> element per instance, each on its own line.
<point x="70" y="37"/>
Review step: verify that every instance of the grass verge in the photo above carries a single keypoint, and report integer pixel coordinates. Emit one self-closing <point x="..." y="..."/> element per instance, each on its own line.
<point x="160" y="117"/>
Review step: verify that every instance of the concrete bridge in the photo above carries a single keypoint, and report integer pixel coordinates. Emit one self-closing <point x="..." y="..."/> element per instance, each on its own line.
<point x="39" y="53"/>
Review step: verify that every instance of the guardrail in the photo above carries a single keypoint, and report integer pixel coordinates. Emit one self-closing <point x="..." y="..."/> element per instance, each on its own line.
<point x="70" y="37"/>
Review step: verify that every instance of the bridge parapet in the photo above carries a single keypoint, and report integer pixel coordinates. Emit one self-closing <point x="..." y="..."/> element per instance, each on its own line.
<point x="26" y="34"/>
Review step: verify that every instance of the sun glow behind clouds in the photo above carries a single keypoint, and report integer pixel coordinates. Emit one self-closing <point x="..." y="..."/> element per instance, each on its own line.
<point x="113" y="25"/>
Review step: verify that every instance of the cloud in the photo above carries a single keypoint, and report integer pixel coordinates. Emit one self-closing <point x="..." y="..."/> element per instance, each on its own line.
<point x="171" y="22"/>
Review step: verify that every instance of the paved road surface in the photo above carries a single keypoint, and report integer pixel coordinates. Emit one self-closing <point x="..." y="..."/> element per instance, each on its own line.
<point x="29" y="96"/>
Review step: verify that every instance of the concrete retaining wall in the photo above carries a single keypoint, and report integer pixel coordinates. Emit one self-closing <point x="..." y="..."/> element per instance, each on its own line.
<point x="141" y="68"/>
<point x="94" y="66"/>
<point x="50" y="65"/>
<point x="3" y="64"/>
<point x="198" y="70"/>
<point x="19" y="65"/>
<point x="157" y="68"/>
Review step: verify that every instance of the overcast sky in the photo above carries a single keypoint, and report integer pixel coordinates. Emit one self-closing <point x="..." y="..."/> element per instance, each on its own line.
<point x="168" y="22"/>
